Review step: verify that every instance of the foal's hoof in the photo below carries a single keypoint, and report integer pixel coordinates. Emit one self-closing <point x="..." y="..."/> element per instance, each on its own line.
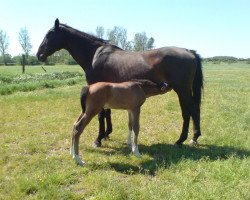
<point x="79" y="161"/>
<point x="193" y="143"/>
<point x="97" y="144"/>
<point x="138" y="155"/>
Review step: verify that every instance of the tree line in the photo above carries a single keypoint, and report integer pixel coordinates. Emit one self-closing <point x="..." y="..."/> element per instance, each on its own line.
<point x="116" y="36"/>
<point x="225" y="59"/>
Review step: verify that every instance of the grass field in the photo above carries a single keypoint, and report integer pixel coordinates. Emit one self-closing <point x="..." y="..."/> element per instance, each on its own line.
<point x="35" y="133"/>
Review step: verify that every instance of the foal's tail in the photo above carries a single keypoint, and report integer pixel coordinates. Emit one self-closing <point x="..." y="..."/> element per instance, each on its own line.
<point x="83" y="97"/>
<point x="198" y="80"/>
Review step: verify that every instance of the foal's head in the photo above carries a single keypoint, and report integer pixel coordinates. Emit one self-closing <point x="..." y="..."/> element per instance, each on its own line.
<point x="52" y="42"/>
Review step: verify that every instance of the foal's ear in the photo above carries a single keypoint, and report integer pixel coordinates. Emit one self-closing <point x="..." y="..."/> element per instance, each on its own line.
<point x="57" y="24"/>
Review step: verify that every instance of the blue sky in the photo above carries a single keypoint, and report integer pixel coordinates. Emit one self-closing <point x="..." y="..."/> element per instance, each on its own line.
<point x="212" y="27"/>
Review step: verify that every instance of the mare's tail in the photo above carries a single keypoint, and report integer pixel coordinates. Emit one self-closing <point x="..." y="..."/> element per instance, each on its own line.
<point x="198" y="80"/>
<point x="83" y="97"/>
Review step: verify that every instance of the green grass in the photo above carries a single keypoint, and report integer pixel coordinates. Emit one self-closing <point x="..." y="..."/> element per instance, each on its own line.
<point x="12" y="81"/>
<point x="35" y="132"/>
<point x="17" y="70"/>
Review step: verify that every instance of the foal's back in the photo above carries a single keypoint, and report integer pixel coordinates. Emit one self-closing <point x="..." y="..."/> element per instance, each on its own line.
<point x="125" y="95"/>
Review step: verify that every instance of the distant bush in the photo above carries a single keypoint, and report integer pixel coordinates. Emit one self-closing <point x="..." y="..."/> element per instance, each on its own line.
<point x="218" y="59"/>
<point x="59" y="57"/>
<point x="29" y="82"/>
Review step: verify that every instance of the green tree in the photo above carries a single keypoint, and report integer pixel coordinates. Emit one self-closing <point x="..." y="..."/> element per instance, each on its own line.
<point x="142" y="43"/>
<point x="6" y="59"/>
<point x="24" y="40"/>
<point x="118" y="36"/>
<point x="150" y="43"/>
<point x="4" y="43"/>
<point x="99" y="32"/>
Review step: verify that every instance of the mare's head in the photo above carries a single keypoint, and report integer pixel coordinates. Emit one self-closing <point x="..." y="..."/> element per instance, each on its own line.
<point x="52" y="42"/>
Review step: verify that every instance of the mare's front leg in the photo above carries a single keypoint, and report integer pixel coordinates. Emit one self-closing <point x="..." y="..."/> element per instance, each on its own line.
<point x="101" y="135"/>
<point x="109" y="123"/>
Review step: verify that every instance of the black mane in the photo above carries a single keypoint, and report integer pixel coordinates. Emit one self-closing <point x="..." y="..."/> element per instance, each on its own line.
<point x="85" y="35"/>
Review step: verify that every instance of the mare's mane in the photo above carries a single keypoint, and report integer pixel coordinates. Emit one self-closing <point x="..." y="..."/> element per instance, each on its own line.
<point x="84" y="35"/>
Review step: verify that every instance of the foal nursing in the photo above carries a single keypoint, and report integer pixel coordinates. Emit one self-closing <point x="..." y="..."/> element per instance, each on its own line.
<point x="127" y="96"/>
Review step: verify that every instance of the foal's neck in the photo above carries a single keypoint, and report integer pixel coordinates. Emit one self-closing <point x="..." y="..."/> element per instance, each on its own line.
<point x="151" y="90"/>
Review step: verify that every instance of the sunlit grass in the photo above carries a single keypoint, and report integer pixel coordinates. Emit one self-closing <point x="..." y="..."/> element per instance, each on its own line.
<point x="35" y="132"/>
<point x="12" y="81"/>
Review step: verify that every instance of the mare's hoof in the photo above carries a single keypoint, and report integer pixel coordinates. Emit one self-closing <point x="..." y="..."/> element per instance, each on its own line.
<point x="107" y="138"/>
<point x="108" y="131"/>
<point x="97" y="144"/>
<point x="193" y="143"/>
<point x="178" y="144"/>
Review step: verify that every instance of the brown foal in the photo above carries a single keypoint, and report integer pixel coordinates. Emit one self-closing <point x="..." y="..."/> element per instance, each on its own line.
<point x="128" y="96"/>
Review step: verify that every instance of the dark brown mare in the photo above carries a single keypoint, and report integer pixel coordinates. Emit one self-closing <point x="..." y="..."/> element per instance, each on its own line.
<point x="126" y="95"/>
<point x="180" y="68"/>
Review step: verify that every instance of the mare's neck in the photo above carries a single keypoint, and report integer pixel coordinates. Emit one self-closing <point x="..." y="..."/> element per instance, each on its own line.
<point x="81" y="48"/>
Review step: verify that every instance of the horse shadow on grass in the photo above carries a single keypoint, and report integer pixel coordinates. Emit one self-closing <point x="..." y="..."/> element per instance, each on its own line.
<point x="166" y="155"/>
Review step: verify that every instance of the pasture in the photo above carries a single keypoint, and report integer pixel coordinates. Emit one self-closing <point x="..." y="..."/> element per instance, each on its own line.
<point x="35" y="136"/>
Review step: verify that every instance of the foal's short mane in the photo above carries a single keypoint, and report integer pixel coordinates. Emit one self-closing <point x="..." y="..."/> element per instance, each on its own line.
<point x="145" y="82"/>
<point x="85" y="35"/>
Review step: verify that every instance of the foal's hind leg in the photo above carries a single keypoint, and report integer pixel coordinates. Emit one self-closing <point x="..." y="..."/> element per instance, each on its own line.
<point x="72" y="143"/>
<point x="77" y="130"/>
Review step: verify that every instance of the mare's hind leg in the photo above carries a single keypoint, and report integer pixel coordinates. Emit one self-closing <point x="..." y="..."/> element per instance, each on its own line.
<point x="109" y="123"/>
<point x="185" y="100"/>
<point x="195" y="113"/>
<point x="78" y="128"/>
<point x="101" y="135"/>
<point x="135" y="117"/>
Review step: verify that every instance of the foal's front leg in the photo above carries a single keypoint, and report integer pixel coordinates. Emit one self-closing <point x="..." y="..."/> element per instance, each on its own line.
<point x="130" y="128"/>
<point x="135" y="117"/>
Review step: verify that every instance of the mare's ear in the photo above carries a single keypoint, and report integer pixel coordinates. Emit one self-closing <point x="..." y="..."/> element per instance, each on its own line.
<point x="57" y="24"/>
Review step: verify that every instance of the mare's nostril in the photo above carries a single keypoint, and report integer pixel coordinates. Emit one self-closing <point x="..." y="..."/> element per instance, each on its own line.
<point x="41" y="57"/>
